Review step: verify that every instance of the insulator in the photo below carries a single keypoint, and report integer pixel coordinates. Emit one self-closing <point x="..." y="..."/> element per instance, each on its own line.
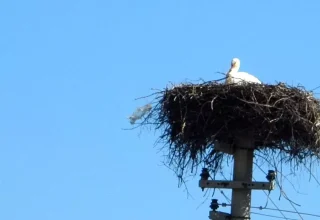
<point x="204" y="174"/>
<point x="271" y="175"/>
<point x="214" y="204"/>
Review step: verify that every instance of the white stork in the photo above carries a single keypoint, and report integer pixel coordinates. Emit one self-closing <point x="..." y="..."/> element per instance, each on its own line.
<point x="233" y="76"/>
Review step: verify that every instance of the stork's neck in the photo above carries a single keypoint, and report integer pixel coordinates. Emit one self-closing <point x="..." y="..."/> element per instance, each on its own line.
<point x="234" y="69"/>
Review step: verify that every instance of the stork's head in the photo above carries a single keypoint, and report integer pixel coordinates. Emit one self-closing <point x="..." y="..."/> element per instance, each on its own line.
<point x="235" y="63"/>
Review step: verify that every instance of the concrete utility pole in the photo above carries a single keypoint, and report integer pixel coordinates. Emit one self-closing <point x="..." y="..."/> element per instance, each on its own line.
<point x="242" y="171"/>
<point x="242" y="180"/>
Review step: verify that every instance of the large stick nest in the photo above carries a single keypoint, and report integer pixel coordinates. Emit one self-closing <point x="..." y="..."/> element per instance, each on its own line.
<point x="195" y="116"/>
<point x="279" y="115"/>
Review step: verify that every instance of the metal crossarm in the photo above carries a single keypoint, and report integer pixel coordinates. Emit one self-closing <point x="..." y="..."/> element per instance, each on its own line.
<point x="236" y="184"/>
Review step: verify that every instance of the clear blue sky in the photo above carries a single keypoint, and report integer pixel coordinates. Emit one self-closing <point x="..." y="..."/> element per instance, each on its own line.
<point x="69" y="74"/>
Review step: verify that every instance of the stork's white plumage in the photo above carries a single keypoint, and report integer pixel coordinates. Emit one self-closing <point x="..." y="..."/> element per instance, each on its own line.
<point x="233" y="76"/>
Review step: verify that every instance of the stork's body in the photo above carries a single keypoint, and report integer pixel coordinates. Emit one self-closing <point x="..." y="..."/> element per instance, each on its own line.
<point x="235" y="77"/>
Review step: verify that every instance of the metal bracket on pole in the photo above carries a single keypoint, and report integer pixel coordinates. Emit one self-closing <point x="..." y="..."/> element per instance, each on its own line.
<point x="206" y="183"/>
<point x="219" y="215"/>
<point x="236" y="184"/>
